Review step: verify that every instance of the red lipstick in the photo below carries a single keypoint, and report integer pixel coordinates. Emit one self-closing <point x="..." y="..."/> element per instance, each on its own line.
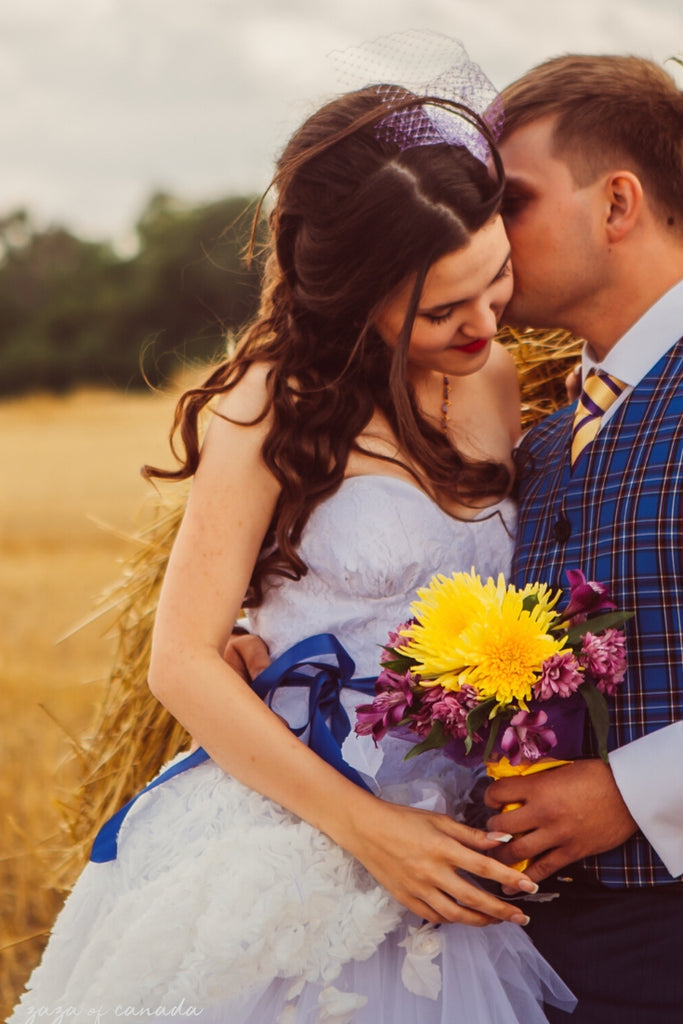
<point x="474" y="346"/>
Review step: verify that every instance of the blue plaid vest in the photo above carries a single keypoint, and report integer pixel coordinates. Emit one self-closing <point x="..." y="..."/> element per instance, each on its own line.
<point x="619" y="518"/>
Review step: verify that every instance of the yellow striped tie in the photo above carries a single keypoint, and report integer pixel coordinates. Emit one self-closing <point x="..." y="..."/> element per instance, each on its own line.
<point x="600" y="390"/>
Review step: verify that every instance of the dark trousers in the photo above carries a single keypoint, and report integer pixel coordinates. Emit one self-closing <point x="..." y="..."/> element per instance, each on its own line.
<point x="620" y="951"/>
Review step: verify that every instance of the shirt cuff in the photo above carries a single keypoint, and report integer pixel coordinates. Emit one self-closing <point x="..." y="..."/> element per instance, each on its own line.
<point x="649" y="777"/>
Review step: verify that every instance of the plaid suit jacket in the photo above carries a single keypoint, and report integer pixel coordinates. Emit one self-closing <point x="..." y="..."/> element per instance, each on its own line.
<point x="619" y="518"/>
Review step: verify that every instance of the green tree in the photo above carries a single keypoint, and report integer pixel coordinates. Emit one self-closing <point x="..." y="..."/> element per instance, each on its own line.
<point x="73" y="312"/>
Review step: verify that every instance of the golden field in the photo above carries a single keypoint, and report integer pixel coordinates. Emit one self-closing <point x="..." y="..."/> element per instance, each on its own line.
<point x="70" y="502"/>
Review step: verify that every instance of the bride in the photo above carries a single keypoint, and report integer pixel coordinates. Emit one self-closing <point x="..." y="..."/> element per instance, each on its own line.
<point x="359" y="442"/>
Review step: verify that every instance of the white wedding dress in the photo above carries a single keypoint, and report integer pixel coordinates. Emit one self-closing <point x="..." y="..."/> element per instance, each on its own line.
<point x="223" y="906"/>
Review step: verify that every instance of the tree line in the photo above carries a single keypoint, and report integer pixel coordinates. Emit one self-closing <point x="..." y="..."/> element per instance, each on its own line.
<point x="75" y="312"/>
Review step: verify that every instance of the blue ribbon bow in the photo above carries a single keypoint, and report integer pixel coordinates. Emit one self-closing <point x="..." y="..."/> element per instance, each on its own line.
<point x="329" y="723"/>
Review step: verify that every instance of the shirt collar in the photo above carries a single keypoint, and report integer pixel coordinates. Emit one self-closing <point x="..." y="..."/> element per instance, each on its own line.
<point x="644" y="343"/>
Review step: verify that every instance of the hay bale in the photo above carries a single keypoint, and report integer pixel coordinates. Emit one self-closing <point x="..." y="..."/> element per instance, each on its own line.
<point x="134" y="734"/>
<point x="543" y="358"/>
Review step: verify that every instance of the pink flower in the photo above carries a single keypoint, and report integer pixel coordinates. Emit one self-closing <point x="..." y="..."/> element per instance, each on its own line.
<point x="560" y="676"/>
<point x="394" y="695"/>
<point x="585" y="596"/>
<point x="451" y="709"/>
<point x="421" y="713"/>
<point x="603" y="658"/>
<point x="527" y="738"/>
<point x="395" y="640"/>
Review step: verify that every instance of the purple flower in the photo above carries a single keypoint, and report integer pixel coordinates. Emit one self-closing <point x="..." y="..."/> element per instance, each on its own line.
<point x="527" y="738"/>
<point x="603" y="658"/>
<point x="585" y="597"/>
<point x="560" y="676"/>
<point x="394" y="695"/>
<point x="395" y="640"/>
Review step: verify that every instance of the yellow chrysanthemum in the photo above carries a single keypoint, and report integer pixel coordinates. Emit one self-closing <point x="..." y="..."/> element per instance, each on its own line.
<point x="545" y="597"/>
<point x="482" y="634"/>
<point x="443" y="610"/>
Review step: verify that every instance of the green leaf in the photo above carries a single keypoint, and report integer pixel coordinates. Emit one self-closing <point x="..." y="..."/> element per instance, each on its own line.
<point x="596" y="625"/>
<point x="598" y="713"/>
<point x="399" y="663"/>
<point x="479" y="714"/>
<point x="530" y="602"/>
<point x="396" y="665"/>
<point x="476" y="718"/>
<point x="493" y="735"/>
<point x="437" y="738"/>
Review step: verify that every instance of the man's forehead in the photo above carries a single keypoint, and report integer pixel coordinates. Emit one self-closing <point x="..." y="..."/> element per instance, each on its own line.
<point x="528" y="147"/>
<point x="537" y="134"/>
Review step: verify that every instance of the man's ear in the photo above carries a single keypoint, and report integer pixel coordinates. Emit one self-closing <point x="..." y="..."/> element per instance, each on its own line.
<point x="624" y="194"/>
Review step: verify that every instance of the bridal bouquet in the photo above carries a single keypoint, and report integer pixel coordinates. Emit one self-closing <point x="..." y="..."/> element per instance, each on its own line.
<point x="495" y="673"/>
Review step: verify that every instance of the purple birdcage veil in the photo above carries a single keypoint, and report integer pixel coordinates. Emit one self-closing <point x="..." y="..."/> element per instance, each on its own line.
<point x="424" y="63"/>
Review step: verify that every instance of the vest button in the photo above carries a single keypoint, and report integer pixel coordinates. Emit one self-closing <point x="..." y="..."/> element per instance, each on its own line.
<point x="562" y="530"/>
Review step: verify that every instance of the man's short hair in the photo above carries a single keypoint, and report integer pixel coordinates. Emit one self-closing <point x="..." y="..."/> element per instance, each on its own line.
<point x="610" y="111"/>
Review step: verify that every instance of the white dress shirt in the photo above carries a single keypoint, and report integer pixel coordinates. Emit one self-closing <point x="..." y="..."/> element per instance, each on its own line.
<point x="649" y="771"/>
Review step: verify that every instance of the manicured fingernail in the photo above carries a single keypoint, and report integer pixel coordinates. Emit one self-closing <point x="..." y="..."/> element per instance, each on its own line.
<point x="520" y="919"/>
<point x="499" y="837"/>
<point x="526" y="885"/>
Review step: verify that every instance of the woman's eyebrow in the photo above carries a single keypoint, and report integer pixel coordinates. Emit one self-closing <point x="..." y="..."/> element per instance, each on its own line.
<point x="456" y="302"/>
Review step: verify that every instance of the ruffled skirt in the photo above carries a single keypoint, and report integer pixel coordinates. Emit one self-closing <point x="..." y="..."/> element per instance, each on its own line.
<point x="223" y="906"/>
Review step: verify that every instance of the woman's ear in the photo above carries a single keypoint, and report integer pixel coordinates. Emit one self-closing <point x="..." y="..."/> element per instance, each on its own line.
<point x="625" y="198"/>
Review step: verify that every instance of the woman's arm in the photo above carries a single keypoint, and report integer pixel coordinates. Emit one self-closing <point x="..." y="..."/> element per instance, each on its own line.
<point x="416" y="855"/>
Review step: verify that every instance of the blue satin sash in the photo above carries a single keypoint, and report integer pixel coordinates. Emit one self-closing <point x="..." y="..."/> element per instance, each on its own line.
<point x="328" y="722"/>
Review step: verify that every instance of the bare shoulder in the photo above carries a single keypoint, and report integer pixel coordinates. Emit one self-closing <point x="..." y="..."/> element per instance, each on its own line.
<point x="240" y="422"/>
<point x="249" y="398"/>
<point x="231" y="452"/>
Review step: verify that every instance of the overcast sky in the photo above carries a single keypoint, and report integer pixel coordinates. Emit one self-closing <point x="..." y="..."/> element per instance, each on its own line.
<point x="104" y="101"/>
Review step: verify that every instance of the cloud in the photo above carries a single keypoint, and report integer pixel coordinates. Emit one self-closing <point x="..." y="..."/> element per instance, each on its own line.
<point x="106" y="100"/>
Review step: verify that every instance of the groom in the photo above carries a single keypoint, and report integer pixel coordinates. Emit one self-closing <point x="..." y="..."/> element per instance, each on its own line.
<point x="593" y="153"/>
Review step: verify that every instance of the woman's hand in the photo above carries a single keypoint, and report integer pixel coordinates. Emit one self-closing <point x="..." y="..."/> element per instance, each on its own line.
<point x="418" y="856"/>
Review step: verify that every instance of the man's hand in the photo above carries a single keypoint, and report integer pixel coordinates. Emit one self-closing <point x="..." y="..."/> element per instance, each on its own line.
<point x="567" y="813"/>
<point x="247" y="655"/>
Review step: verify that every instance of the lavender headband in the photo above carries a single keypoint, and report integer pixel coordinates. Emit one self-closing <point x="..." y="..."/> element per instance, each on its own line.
<point x="424" y="63"/>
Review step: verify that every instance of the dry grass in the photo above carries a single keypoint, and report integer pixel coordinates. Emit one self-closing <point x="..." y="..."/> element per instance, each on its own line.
<point x="543" y="358"/>
<point x="67" y="464"/>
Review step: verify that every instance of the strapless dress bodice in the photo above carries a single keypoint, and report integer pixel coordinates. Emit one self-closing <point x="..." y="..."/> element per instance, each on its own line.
<point x="368" y="548"/>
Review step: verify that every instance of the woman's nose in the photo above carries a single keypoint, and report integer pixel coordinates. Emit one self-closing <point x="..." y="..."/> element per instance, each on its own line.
<point x="481" y="322"/>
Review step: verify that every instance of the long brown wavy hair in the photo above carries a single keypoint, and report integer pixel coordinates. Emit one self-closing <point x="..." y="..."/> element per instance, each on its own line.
<point x="354" y="217"/>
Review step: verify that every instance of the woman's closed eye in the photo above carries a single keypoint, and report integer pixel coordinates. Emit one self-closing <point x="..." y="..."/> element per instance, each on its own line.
<point x="442" y="314"/>
<point x="439" y="318"/>
<point x="504" y="271"/>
